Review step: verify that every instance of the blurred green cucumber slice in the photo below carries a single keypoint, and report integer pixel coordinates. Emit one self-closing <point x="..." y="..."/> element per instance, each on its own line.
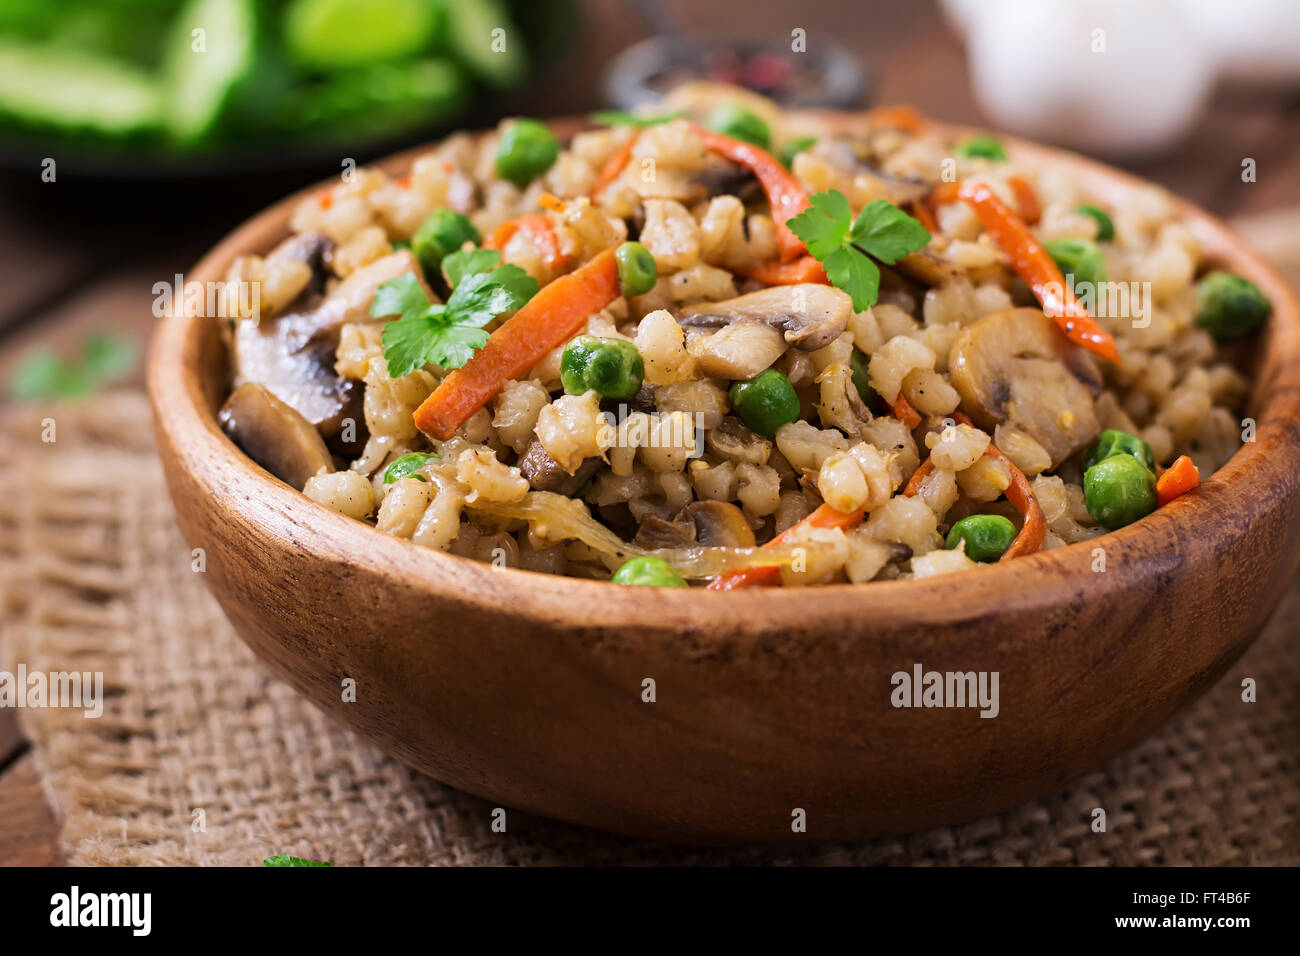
<point x="202" y="82"/>
<point x="334" y="34"/>
<point x="378" y="99"/>
<point x="55" y="88"/>
<point x="472" y="35"/>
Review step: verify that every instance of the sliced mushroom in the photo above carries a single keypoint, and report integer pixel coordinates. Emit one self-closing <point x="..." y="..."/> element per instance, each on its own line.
<point x="274" y="435"/>
<point x="1015" y="366"/>
<point x="929" y="267"/>
<point x="655" y="533"/>
<point x="720" y="177"/>
<point x="642" y="401"/>
<point x="811" y="315"/>
<point x="738" y="351"/>
<point x="856" y="156"/>
<point x="734" y="441"/>
<point x="718" y="524"/>
<point x="313" y="248"/>
<point x="293" y="354"/>
<point x="544" y="473"/>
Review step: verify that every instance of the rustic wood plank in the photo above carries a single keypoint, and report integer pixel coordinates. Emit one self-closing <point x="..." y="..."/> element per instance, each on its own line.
<point x="41" y="251"/>
<point x="11" y="738"/>
<point x="29" y="833"/>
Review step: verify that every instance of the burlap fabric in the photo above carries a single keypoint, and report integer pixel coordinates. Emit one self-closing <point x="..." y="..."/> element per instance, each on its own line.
<point x="97" y="578"/>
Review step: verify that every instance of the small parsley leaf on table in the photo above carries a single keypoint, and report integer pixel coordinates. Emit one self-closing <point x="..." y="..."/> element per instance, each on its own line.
<point x="845" y="246"/>
<point x="284" y="859"/>
<point x="446" y="334"/>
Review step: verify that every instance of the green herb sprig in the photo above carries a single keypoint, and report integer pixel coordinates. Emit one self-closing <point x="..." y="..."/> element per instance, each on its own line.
<point x="845" y="246"/>
<point x="445" y="334"/>
<point x="284" y="859"/>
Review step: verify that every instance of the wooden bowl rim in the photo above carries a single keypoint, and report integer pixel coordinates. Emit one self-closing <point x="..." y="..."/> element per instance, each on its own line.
<point x="1195" y="527"/>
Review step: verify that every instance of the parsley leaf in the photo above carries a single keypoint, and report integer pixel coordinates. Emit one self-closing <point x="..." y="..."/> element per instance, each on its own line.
<point x="284" y="859"/>
<point x="445" y="334"/>
<point x="480" y="297"/>
<point x="886" y="232"/>
<point x="857" y="275"/>
<point x="104" y="359"/>
<point x="843" y="245"/>
<point x="824" y="225"/>
<point x="415" y="341"/>
<point x="399" y="296"/>
<point x="468" y="261"/>
<point x="624" y="118"/>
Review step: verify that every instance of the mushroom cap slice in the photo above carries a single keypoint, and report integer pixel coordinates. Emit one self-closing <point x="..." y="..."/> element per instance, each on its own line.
<point x="1015" y="366"/>
<point x="293" y="354"/>
<point x="738" y="351"/>
<point x="706" y="523"/>
<point x="544" y="473"/>
<point x="718" y="524"/>
<point x="274" y="435"/>
<point x="810" y="315"/>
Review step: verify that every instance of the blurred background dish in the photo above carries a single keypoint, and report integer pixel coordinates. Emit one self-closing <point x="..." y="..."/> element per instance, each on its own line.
<point x="764" y="63"/>
<point x="181" y="88"/>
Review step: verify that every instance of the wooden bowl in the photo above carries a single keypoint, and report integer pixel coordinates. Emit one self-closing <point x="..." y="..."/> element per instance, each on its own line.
<point x="529" y="689"/>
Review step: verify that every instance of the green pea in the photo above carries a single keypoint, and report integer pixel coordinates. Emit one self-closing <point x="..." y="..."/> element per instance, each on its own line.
<point x="649" y="572"/>
<point x="611" y="367"/>
<point x="441" y="234"/>
<point x="1105" y="225"/>
<point x="527" y="148"/>
<point x="981" y="147"/>
<point x="407" y="465"/>
<point x="1115" y="442"/>
<point x="1230" y="306"/>
<point x="794" y="147"/>
<point x="987" y="537"/>
<point x="739" y="123"/>
<point x="766" y="402"/>
<point x="862" y="379"/>
<point x="1080" y="258"/>
<point x="637" y="272"/>
<point x="1119" y="491"/>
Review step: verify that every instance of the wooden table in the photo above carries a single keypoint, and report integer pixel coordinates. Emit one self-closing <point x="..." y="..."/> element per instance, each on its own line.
<point x="78" y="258"/>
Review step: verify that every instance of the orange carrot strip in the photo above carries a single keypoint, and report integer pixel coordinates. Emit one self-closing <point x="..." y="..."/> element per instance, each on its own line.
<point x="1034" y="527"/>
<point x="548" y="319"/>
<point x="326" y="199"/>
<point x="1179" y="478"/>
<point x="922" y="214"/>
<point x="943" y="193"/>
<point x="1033" y="264"/>
<point x="902" y="409"/>
<point x="1026" y="198"/>
<point x="614" y="166"/>
<point x="784" y="195"/>
<point x="913" y="486"/>
<point x="805" y="269"/>
<point x="539" y="229"/>
<point x="554" y="203"/>
<point x="403" y="182"/>
<point x="765" y="575"/>
<point x="904" y="117"/>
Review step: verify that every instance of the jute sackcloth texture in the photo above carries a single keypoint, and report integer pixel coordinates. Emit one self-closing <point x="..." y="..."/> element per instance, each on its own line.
<point x="97" y="578"/>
